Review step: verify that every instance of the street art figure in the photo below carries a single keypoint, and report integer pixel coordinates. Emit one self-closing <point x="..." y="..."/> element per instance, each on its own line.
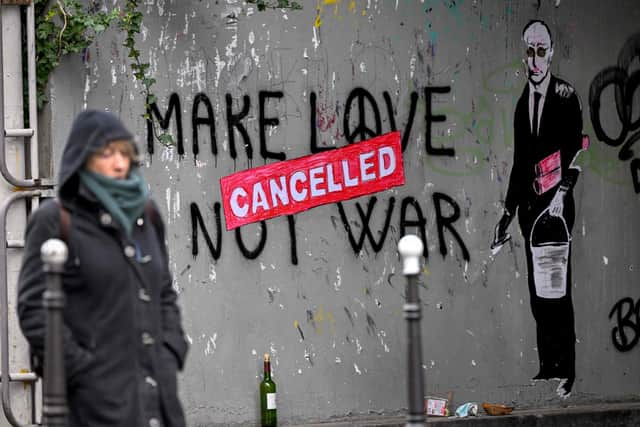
<point x="548" y="136"/>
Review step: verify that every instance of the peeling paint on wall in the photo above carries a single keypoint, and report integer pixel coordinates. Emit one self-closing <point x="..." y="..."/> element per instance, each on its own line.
<point x="320" y="290"/>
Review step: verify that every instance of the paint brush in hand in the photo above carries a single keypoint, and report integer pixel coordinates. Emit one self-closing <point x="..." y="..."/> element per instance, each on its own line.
<point x="498" y="242"/>
<point x="500" y="235"/>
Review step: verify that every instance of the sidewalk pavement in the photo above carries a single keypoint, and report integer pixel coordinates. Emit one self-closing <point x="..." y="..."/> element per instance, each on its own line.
<point x="625" y="414"/>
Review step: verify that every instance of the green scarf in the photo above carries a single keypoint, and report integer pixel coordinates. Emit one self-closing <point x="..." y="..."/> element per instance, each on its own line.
<point x="123" y="198"/>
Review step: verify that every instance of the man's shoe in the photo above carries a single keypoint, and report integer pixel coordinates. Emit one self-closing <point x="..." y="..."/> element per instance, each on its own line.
<point x="565" y="386"/>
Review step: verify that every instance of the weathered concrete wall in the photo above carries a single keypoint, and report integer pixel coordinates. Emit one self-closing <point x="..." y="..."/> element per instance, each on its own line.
<point x="327" y="302"/>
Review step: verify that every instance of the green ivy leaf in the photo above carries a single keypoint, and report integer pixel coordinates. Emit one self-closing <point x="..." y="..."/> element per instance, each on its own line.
<point x="165" y="139"/>
<point x="68" y="26"/>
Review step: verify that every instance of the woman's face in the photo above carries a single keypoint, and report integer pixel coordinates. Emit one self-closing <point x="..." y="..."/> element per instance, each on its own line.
<point x="113" y="160"/>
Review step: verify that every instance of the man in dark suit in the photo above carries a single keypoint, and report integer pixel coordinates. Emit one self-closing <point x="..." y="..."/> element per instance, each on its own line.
<point x="548" y="136"/>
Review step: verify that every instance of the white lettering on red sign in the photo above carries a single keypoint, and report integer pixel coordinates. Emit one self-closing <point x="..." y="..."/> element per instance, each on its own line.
<point x="293" y="186"/>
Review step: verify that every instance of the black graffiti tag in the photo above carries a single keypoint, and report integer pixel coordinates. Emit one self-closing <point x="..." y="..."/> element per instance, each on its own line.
<point x="626" y="333"/>
<point x="361" y="129"/>
<point x="624" y="85"/>
<point x="361" y="120"/>
<point x="367" y="231"/>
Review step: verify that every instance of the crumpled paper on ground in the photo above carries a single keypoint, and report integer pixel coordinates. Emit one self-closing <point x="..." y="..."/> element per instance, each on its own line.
<point x="467" y="409"/>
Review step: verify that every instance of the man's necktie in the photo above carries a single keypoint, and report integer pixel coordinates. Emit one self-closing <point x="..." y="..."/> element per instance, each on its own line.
<point x="536" y="104"/>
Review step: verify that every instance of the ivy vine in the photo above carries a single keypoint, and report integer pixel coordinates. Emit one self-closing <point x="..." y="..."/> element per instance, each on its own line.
<point x="130" y="22"/>
<point x="65" y="26"/>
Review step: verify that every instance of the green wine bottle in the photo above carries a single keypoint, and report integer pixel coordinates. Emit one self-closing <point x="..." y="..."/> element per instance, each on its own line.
<point x="268" y="409"/>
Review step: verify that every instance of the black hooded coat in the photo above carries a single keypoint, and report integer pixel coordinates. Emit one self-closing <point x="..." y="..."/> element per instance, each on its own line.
<point x="123" y="337"/>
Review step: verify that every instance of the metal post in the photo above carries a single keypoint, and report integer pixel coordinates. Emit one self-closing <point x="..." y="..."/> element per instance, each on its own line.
<point x="54" y="411"/>
<point x="410" y="248"/>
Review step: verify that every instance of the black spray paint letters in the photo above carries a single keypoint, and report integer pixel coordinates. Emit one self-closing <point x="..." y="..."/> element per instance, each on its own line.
<point x="215" y="250"/>
<point x="364" y="221"/>
<point x="442" y="223"/>
<point x="361" y="120"/>
<point x="624" y="85"/>
<point x="626" y="334"/>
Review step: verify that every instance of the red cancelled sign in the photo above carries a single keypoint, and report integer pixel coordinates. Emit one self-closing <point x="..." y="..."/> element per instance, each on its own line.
<point x="292" y="186"/>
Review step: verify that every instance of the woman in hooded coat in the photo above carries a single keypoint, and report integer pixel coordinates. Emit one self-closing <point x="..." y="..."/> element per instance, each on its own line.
<point x="123" y="338"/>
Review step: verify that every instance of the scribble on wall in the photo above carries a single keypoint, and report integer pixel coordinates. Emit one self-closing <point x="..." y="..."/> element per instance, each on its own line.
<point x="165" y="122"/>
<point x="197" y="121"/>
<point x="412" y="218"/>
<point x="548" y="136"/>
<point x="625" y="85"/>
<point x="626" y="334"/>
<point x="362" y="119"/>
<point x="356" y="126"/>
<point x="215" y="249"/>
<point x="197" y="220"/>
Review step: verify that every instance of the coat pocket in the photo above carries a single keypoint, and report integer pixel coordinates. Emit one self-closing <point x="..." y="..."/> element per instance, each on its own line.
<point x="78" y="365"/>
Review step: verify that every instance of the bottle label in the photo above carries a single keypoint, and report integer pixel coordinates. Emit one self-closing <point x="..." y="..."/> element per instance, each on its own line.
<point x="271" y="401"/>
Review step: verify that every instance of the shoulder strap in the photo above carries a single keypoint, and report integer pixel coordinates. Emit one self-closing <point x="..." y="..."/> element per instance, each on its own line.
<point x="152" y="213"/>
<point x="65" y="223"/>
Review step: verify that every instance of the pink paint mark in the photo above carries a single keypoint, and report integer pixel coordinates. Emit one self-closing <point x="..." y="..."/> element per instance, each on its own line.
<point x="544" y="183"/>
<point x="326" y="117"/>
<point x="548" y="173"/>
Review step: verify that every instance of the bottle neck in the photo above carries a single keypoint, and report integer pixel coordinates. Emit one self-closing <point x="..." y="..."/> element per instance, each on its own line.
<point x="267" y="370"/>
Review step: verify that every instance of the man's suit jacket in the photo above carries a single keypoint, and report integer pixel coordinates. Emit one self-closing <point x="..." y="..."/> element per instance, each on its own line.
<point x="560" y="130"/>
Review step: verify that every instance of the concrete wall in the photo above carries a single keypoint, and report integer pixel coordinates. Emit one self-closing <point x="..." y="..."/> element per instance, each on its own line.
<point x="327" y="302"/>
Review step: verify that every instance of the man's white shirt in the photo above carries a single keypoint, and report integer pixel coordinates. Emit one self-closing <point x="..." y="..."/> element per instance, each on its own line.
<point x="542" y="89"/>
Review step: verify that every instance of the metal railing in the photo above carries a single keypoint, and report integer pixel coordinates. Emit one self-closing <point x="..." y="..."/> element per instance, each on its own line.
<point x="6" y="376"/>
<point x="35" y="187"/>
<point x="30" y="134"/>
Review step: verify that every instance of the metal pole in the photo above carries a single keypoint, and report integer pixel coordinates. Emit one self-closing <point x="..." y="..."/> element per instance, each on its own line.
<point x="54" y="410"/>
<point x="410" y="248"/>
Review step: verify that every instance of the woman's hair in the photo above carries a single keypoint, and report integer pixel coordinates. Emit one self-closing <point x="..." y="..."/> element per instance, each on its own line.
<point x="127" y="147"/>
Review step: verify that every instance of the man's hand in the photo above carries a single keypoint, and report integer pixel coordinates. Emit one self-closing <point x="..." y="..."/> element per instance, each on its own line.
<point x="500" y="233"/>
<point x="557" y="203"/>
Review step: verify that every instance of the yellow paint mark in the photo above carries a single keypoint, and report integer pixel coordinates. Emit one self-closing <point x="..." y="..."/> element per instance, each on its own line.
<point x="364" y="13"/>
<point x="328" y="2"/>
<point x="332" y="322"/>
<point x="318" y="318"/>
<point x="425" y="271"/>
<point x="25" y="385"/>
<point x="318" y="22"/>
<point x="322" y="318"/>
<point x="352" y="6"/>
<point x="296" y="324"/>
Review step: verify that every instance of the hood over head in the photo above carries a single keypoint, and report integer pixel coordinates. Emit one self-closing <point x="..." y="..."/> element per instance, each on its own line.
<point x="90" y="131"/>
